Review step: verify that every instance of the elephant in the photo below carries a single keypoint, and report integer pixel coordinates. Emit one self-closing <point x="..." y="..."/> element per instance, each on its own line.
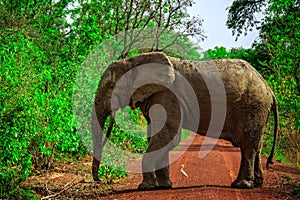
<point x="248" y="104"/>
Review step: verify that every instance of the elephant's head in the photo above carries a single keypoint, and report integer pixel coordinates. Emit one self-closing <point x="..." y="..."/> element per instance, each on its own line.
<point x="128" y="82"/>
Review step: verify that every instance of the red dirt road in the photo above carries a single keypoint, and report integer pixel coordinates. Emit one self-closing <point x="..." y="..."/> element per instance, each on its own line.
<point x="210" y="177"/>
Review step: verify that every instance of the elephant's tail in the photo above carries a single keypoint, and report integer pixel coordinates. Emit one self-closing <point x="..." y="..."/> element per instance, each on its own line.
<point x="275" y="112"/>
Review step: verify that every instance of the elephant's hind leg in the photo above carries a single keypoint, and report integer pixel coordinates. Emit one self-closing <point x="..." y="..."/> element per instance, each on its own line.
<point x="250" y="172"/>
<point x="258" y="172"/>
<point x="245" y="177"/>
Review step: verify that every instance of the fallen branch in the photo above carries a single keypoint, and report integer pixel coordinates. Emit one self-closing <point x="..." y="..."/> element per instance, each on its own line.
<point x="67" y="186"/>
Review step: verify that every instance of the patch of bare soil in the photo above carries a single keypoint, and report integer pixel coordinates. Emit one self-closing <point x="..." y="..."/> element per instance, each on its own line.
<point x="208" y="178"/>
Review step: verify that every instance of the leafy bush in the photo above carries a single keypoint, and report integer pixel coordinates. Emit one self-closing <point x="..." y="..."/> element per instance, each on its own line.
<point x="110" y="171"/>
<point x="35" y="113"/>
<point x="16" y="116"/>
<point x="296" y="192"/>
<point x="129" y="131"/>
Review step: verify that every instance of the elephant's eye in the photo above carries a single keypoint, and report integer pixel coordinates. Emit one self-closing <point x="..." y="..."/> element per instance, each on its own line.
<point x="111" y="85"/>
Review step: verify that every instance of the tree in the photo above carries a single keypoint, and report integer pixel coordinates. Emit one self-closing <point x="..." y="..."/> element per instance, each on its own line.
<point x="132" y="21"/>
<point x="242" y="16"/>
<point x="279" y="42"/>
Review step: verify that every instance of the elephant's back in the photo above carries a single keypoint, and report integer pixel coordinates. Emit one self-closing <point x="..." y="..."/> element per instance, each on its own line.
<point x="243" y="83"/>
<point x="245" y="91"/>
<point x="237" y="76"/>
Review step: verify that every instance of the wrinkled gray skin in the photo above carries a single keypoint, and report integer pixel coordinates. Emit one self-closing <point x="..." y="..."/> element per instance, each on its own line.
<point x="249" y="103"/>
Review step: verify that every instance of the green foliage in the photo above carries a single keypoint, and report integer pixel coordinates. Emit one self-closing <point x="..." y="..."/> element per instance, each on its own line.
<point x="249" y="55"/>
<point x="128" y="140"/>
<point x="296" y="192"/>
<point x="35" y="81"/>
<point x="279" y="53"/>
<point x="242" y="16"/>
<point x="110" y="171"/>
<point x="129" y="132"/>
<point x="16" y="116"/>
<point x="280" y="32"/>
<point x="217" y="53"/>
<point x="128" y="21"/>
<point x="40" y="54"/>
<point x="185" y="134"/>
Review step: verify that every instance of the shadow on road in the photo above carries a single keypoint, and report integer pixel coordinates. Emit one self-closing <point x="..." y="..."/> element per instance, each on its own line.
<point x="283" y="168"/>
<point x="217" y="147"/>
<point x="173" y="189"/>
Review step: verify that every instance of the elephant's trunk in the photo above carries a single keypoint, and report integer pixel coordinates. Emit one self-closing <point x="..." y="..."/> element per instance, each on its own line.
<point x="97" y="131"/>
<point x="98" y="123"/>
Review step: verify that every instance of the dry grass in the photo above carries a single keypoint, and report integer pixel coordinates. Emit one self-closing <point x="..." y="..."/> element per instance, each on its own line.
<point x="68" y="181"/>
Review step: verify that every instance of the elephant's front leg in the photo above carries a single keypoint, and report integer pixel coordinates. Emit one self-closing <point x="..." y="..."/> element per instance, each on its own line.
<point x="155" y="164"/>
<point x="149" y="177"/>
<point x="163" y="172"/>
<point x="164" y="130"/>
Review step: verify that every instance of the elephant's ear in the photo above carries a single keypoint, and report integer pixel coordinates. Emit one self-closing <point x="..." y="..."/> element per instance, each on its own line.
<point x="139" y="77"/>
<point x="150" y="73"/>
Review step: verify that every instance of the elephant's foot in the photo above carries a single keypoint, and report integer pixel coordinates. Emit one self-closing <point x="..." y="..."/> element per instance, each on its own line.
<point x="164" y="184"/>
<point x="148" y="184"/>
<point x="242" y="184"/>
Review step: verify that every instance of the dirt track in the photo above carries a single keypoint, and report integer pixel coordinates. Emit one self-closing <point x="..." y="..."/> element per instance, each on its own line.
<point x="210" y="177"/>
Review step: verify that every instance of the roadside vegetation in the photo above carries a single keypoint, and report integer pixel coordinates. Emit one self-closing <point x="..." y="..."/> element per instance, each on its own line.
<point x="41" y="52"/>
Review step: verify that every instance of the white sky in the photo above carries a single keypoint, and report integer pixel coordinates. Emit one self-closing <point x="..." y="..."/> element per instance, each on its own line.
<point x="214" y="14"/>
